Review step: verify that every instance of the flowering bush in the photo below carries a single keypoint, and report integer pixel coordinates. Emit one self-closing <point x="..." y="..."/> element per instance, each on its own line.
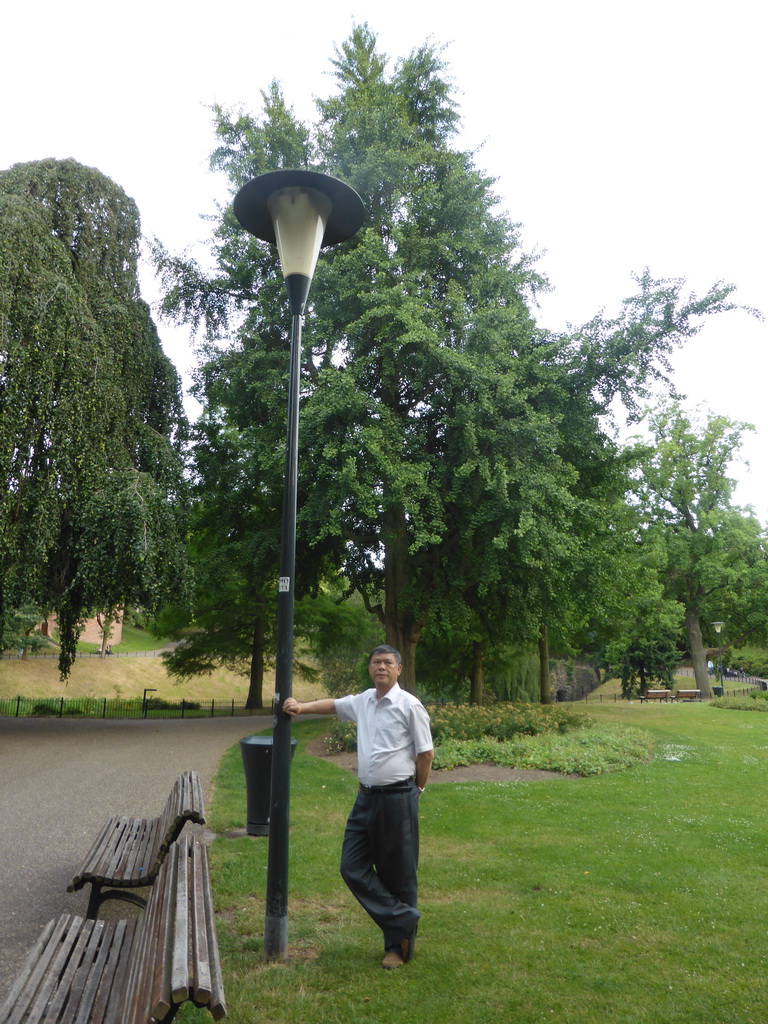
<point x="342" y="738"/>
<point x="590" y="751"/>
<point x="754" y="702"/>
<point x="501" y="721"/>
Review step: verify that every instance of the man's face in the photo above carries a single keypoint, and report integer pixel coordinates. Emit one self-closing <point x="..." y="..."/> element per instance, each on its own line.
<point x="384" y="670"/>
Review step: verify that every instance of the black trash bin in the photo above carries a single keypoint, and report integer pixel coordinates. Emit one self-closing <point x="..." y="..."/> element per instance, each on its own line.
<point x="717" y="691"/>
<point x="256" y="752"/>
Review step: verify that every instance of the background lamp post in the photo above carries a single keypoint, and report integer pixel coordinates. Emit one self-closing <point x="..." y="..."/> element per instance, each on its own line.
<point x="302" y="212"/>
<point x="147" y="689"/>
<point x="718" y="626"/>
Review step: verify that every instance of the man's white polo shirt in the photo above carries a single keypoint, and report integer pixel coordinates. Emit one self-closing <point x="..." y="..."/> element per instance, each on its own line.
<point x="391" y="731"/>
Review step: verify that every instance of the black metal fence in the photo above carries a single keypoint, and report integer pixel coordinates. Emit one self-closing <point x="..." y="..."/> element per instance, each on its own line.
<point x="728" y="674"/>
<point x="613" y="698"/>
<point x="105" y="707"/>
<point x="53" y="653"/>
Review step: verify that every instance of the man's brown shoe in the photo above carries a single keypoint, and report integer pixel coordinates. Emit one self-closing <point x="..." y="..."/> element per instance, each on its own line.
<point x="406" y="946"/>
<point x="391" y="960"/>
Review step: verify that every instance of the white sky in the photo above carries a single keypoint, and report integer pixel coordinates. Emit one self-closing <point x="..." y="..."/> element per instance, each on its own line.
<point x="623" y="135"/>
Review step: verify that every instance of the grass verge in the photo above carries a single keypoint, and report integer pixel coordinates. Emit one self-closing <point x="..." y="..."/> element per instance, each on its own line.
<point x="127" y="678"/>
<point x="632" y="897"/>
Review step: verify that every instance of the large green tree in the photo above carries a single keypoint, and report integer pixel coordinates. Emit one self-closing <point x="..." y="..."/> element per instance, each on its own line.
<point x="634" y="632"/>
<point x="453" y="459"/>
<point x="91" y="425"/>
<point x="714" y="555"/>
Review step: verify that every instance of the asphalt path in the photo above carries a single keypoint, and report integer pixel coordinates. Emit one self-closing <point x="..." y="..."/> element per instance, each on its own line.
<point x="60" y="779"/>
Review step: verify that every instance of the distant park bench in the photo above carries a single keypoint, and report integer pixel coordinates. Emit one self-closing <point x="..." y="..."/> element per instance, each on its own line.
<point x="688" y="695"/>
<point x="84" y="971"/>
<point x="655" y="695"/>
<point x="128" y="852"/>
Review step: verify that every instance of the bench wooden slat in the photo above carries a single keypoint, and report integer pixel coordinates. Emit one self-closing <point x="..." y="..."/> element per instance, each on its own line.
<point x="201" y="983"/>
<point x="91" y="856"/>
<point x="110" y="854"/>
<point x="108" y="857"/>
<point x="56" y="968"/>
<point x="98" y="992"/>
<point x="84" y="958"/>
<point x="128" y="852"/>
<point x="149" y="954"/>
<point x="33" y="968"/>
<point x="185" y="803"/>
<point x="84" y="971"/>
<point x="179" y="977"/>
<point x="174" y="899"/>
<point x="71" y="967"/>
<point x="107" y="866"/>
<point x="139" y="863"/>
<point x="215" y="1002"/>
<point x="103" y="954"/>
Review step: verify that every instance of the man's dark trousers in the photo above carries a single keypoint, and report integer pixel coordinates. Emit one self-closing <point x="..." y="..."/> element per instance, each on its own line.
<point x="380" y="857"/>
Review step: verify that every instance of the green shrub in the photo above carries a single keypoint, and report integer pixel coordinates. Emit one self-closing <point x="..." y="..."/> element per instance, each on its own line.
<point x="44" y="709"/>
<point x="739" y="703"/>
<point x="160" y="704"/>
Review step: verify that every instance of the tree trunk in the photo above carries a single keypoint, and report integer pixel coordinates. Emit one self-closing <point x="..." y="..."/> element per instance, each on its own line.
<point x="105" y="625"/>
<point x="545" y="682"/>
<point x="698" y="654"/>
<point x="476" y="679"/>
<point x="405" y="638"/>
<point x="256" y="687"/>
<point x="403" y="628"/>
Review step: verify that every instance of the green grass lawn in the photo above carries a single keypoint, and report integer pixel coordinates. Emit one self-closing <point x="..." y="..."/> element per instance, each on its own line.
<point x="633" y="897"/>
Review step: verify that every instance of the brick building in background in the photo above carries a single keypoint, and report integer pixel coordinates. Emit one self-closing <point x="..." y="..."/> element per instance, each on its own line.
<point x="91" y="633"/>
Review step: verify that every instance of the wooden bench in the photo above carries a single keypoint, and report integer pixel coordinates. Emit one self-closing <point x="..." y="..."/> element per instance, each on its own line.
<point x="84" y="971"/>
<point x="688" y="695"/>
<point x="128" y="852"/>
<point x="655" y="695"/>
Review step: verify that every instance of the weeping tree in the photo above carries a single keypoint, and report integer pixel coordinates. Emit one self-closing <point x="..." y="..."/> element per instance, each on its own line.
<point x="92" y="509"/>
<point x="452" y="452"/>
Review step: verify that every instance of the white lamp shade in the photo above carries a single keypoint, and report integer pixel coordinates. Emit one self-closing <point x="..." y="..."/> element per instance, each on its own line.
<point x="299" y="215"/>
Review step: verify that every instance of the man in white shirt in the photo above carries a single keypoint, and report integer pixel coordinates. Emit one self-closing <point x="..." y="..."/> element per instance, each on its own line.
<point x="380" y="853"/>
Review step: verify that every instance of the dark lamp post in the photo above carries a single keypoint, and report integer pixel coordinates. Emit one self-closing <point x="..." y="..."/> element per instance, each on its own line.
<point x="147" y="689"/>
<point x="301" y="212"/>
<point x="718" y="626"/>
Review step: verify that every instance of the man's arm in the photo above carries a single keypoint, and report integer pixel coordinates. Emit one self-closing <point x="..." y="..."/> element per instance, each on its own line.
<point x="312" y="707"/>
<point x="424" y="767"/>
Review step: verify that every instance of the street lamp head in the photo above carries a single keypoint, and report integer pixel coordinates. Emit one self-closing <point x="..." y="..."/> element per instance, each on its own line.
<point x="302" y="212"/>
<point x="718" y="626"/>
